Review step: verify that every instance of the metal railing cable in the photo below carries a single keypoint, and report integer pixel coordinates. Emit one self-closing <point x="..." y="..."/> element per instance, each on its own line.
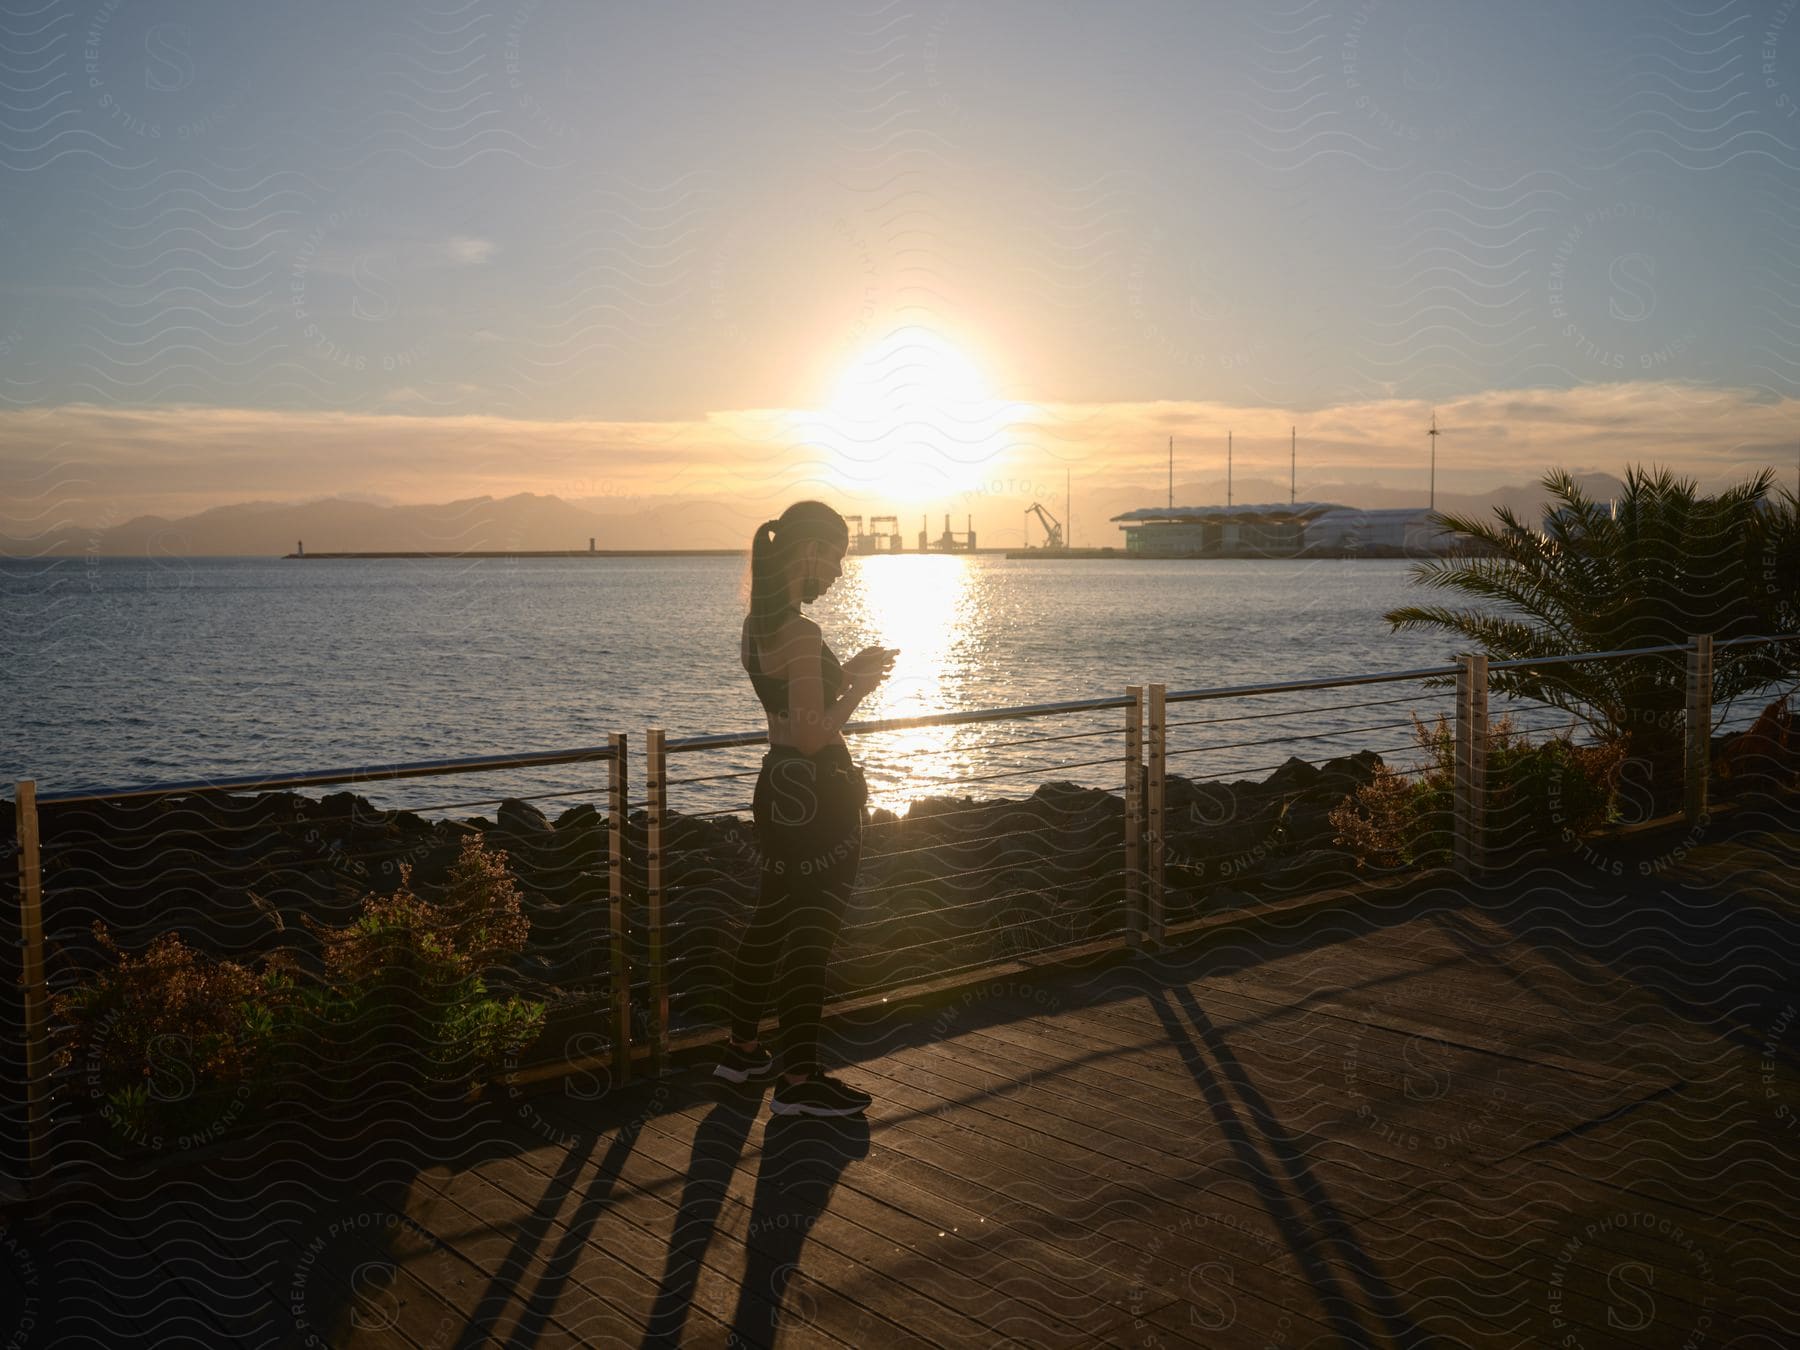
<point x="1338" y="734"/>
<point x="214" y="843"/>
<point x="431" y="768"/>
<point x="1289" y="712"/>
<point x="71" y="835"/>
<point x="890" y="855"/>
<point x="935" y="781"/>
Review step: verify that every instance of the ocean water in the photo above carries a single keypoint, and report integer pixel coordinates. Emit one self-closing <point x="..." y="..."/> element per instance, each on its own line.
<point x="122" y="671"/>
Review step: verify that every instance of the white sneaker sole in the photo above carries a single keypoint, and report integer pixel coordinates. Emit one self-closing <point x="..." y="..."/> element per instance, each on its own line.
<point x="743" y="1075"/>
<point x="791" y="1109"/>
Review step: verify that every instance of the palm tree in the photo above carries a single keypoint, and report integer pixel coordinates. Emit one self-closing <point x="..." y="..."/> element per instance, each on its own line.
<point x="1663" y="563"/>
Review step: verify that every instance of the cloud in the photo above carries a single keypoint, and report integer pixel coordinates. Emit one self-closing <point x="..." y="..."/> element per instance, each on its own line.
<point x="355" y="256"/>
<point x="82" y="462"/>
<point x="437" y="393"/>
<point x="461" y="250"/>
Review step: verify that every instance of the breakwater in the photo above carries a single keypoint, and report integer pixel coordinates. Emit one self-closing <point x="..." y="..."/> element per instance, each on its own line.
<point x="533" y="553"/>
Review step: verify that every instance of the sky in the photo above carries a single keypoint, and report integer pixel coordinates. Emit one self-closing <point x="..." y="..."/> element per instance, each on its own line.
<point x="885" y="253"/>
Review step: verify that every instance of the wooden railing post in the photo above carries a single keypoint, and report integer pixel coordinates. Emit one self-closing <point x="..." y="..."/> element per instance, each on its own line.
<point x="1469" y="822"/>
<point x="1697" y="763"/>
<point x="31" y="981"/>
<point x="656" y="794"/>
<point x="616" y="808"/>
<point x="1154" y="814"/>
<point x="1134" y="815"/>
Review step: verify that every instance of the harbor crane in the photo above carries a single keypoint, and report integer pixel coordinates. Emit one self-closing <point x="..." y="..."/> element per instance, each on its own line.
<point x="1053" y="530"/>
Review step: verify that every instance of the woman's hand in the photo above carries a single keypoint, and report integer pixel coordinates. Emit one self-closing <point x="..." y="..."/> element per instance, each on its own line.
<point x="870" y="666"/>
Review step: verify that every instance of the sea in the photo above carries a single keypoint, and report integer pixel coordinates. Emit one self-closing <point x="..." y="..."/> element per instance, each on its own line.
<point x="130" y="671"/>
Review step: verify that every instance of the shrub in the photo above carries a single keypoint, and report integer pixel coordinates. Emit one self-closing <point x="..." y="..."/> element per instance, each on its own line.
<point x="161" y="1034"/>
<point x="165" y="1034"/>
<point x="1392" y="821"/>
<point x="404" y="985"/>
<point x="1536" y="794"/>
<point x="1549" y="792"/>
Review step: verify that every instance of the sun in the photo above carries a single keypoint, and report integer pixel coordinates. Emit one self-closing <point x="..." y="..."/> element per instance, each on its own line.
<point x="912" y="369"/>
<point x="910" y="419"/>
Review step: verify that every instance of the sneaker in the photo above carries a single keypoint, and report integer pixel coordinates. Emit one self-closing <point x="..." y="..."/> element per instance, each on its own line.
<point x="819" y="1095"/>
<point x="743" y="1066"/>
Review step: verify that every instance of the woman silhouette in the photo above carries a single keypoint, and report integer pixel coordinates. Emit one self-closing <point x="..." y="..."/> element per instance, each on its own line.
<point x="808" y="809"/>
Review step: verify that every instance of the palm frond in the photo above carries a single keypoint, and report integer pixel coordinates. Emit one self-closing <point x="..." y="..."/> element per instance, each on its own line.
<point x="1660" y="564"/>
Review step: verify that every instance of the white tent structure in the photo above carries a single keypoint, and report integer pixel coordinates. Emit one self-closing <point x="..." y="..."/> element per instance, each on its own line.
<point x="1284" y="529"/>
<point x="1352" y="529"/>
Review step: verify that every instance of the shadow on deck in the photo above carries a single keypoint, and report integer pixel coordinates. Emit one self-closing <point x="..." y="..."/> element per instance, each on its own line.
<point x="1556" y="1108"/>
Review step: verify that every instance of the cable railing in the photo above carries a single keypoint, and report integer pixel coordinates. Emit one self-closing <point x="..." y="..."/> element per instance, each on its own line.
<point x="996" y="837"/>
<point x="970" y="876"/>
<point x="210" y="944"/>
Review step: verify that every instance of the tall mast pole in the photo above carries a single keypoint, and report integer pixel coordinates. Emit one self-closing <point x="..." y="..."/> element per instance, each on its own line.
<point x="1291" y="435"/>
<point x="1228" y="468"/>
<point x="1171" y="473"/>
<point x="1434" y="436"/>
<point x="1068" y="512"/>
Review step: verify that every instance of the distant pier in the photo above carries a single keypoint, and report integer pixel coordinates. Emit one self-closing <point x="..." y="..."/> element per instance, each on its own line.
<point x="540" y="553"/>
<point x="640" y="553"/>
<point x="1050" y="554"/>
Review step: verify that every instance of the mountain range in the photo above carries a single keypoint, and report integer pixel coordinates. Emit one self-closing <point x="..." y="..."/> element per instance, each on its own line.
<point x="528" y="522"/>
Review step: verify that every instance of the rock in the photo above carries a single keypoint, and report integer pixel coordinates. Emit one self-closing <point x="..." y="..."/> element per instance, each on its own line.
<point x="582" y="817"/>
<point x="1338" y="778"/>
<point x="522" y="820"/>
<point x="1202" y="804"/>
<point x="409" y="823"/>
<point x="336" y="806"/>
<point x="1294" y="776"/>
<point x="928" y="807"/>
<point x="1072" y="797"/>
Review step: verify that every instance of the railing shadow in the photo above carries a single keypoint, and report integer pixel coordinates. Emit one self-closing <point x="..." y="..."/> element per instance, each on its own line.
<point x="560" y="1265"/>
<point x="1318" y="1235"/>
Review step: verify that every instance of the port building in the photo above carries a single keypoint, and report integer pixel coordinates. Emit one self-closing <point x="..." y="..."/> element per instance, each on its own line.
<point x="1281" y="530"/>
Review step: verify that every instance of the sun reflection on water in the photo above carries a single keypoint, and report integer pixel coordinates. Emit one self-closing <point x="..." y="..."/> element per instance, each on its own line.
<point x="928" y="607"/>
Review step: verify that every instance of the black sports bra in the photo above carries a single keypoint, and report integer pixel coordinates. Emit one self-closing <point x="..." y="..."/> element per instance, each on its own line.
<point x="772" y="690"/>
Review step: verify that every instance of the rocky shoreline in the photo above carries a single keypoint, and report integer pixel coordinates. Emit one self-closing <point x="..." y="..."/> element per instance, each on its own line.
<point x="954" y="882"/>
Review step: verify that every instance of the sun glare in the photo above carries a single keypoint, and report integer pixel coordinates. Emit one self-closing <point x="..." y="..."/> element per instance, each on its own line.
<point x="910" y="420"/>
<point x="924" y="607"/>
<point x="909" y="370"/>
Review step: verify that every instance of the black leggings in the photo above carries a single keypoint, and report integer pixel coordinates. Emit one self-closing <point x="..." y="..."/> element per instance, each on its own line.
<point x="809" y="819"/>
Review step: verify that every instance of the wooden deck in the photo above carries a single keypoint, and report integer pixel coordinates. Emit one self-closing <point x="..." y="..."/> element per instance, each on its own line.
<point x="1559" y="1109"/>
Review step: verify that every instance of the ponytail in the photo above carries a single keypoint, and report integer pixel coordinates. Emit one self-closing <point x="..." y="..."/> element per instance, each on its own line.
<point x="770" y="548"/>
<point x="768" y="587"/>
